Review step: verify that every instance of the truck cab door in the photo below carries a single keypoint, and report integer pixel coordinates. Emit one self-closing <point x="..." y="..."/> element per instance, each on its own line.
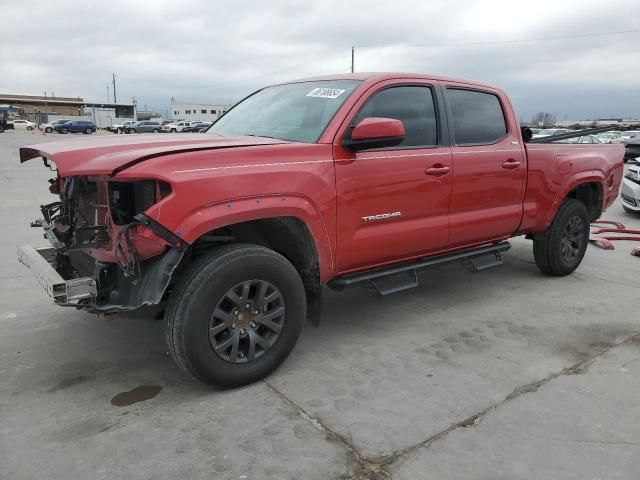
<point x="392" y="203"/>
<point x="489" y="165"/>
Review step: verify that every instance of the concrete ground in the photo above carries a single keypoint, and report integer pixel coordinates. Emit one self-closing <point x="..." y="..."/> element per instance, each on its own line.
<point x="505" y="374"/>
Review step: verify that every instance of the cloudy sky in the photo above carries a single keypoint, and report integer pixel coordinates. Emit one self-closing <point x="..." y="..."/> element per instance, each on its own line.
<point x="218" y="51"/>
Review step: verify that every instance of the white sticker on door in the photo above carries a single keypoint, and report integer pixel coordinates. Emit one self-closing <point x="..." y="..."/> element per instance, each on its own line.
<point x="322" y="92"/>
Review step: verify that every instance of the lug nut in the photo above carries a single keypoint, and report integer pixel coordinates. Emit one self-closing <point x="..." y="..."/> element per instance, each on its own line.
<point x="233" y="325"/>
<point x="235" y="312"/>
<point x="247" y="305"/>
<point x="242" y="331"/>
<point x="256" y="312"/>
<point x="253" y="324"/>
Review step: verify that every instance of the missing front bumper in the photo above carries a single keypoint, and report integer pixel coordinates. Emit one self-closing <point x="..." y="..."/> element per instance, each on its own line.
<point x="42" y="263"/>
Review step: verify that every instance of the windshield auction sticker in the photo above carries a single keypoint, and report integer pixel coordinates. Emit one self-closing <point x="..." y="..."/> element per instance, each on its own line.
<point x="325" y="92"/>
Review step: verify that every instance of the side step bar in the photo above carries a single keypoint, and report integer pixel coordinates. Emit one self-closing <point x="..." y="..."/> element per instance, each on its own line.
<point x="387" y="280"/>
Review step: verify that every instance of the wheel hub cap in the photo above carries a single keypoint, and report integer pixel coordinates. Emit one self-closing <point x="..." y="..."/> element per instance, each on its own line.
<point x="572" y="239"/>
<point x="247" y="321"/>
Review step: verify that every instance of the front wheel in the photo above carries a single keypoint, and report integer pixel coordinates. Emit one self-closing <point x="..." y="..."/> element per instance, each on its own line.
<point x="64" y="130"/>
<point x="235" y="315"/>
<point x="560" y="249"/>
<point x="155" y="130"/>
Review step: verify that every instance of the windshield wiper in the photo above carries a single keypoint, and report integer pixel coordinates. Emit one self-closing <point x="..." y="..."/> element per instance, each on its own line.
<point x="263" y="136"/>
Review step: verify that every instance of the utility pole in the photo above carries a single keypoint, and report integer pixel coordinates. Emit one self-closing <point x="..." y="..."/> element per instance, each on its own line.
<point x="114" y="89"/>
<point x="108" y="98"/>
<point x="353" y="56"/>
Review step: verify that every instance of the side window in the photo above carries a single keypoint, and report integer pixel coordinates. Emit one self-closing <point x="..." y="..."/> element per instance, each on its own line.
<point x="413" y="106"/>
<point x="477" y="117"/>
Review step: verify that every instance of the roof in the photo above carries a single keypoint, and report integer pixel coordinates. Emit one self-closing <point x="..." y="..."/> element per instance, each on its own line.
<point x="375" y="77"/>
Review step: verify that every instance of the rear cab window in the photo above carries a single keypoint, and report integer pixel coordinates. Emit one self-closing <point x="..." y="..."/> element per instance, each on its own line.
<point x="477" y="117"/>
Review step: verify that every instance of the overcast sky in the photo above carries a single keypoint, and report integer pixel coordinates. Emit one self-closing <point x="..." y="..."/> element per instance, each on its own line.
<point x="217" y="51"/>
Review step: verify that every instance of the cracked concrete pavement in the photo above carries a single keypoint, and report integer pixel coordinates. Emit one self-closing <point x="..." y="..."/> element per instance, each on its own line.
<point x="501" y="374"/>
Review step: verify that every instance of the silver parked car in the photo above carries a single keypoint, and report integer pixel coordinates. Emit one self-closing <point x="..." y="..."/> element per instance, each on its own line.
<point x="630" y="191"/>
<point x="144" y="127"/>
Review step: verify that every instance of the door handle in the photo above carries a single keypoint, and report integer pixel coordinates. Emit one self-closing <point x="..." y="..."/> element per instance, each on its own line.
<point x="437" y="170"/>
<point x="511" y="164"/>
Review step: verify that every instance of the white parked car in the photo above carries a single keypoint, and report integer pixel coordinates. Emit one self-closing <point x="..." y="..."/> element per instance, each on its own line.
<point x="20" y="124"/>
<point x="609" y="137"/>
<point x="628" y="135"/>
<point x="630" y="191"/>
<point x="50" y="127"/>
<point x="177" y="126"/>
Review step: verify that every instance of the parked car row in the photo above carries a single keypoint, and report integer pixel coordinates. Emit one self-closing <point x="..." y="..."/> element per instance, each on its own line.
<point x="152" y="126"/>
<point x="185" y="126"/>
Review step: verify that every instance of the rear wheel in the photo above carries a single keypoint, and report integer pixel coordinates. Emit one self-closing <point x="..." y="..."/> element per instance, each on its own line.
<point x="560" y="249"/>
<point x="235" y="315"/>
<point x="29" y="129"/>
<point x="88" y="131"/>
<point x="48" y="130"/>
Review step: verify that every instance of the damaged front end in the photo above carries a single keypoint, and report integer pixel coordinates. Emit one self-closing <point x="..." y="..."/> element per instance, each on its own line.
<point x="105" y="254"/>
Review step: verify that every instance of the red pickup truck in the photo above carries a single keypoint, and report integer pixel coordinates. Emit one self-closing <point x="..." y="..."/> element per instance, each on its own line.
<point x="339" y="180"/>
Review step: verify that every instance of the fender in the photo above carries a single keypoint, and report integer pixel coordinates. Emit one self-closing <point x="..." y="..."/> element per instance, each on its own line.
<point x="244" y="209"/>
<point x="590" y="176"/>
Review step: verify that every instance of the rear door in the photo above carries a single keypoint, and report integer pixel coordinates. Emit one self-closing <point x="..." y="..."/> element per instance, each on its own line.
<point x="489" y="165"/>
<point x="393" y="202"/>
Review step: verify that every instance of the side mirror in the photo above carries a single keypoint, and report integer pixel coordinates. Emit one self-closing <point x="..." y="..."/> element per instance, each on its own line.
<point x="375" y="132"/>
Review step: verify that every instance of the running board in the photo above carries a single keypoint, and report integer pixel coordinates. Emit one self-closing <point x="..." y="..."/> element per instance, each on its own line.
<point x="396" y="278"/>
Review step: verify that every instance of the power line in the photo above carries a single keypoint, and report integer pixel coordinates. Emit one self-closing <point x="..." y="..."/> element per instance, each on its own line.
<point x="493" y="42"/>
<point x="336" y="52"/>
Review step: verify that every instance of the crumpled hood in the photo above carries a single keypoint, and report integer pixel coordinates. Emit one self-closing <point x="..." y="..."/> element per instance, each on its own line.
<point x="109" y="154"/>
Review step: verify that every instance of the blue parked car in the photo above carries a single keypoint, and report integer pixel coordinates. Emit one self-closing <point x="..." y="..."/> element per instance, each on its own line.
<point x="76" y="126"/>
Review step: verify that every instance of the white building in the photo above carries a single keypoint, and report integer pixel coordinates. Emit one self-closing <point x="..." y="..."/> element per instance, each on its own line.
<point x="196" y="111"/>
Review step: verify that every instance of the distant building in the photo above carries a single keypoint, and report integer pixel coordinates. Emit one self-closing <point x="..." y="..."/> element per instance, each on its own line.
<point x="42" y="109"/>
<point x="204" y="112"/>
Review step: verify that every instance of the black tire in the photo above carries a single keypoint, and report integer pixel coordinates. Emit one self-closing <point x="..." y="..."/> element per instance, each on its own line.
<point x="625" y="160"/>
<point x="29" y="129"/>
<point x="88" y="131"/>
<point x="155" y="130"/>
<point x="48" y="130"/>
<point x="205" y="286"/>
<point x="64" y="130"/>
<point x="131" y="130"/>
<point x="560" y="249"/>
<point x="1" y="129"/>
<point x="173" y="130"/>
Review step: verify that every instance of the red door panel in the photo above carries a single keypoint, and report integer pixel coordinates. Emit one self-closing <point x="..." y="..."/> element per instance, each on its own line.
<point x="488" y="179"/>
<point x="411" y="205"/>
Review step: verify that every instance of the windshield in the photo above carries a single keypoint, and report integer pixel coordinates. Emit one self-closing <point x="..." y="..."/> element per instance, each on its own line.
<point x="298" y="112"/>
